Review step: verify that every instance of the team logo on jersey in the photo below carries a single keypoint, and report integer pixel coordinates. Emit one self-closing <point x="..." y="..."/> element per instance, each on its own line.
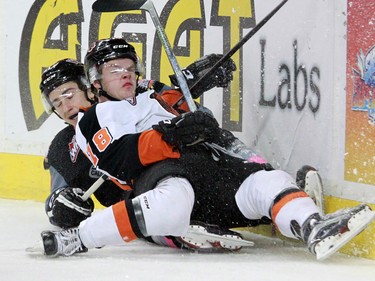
<point x="132" y="100"/>
<point x="73" y="149"/>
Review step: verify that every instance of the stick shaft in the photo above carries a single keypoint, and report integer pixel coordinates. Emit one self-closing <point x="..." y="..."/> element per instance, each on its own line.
<point x="238" y="45"/>
<point x="149" y="6"/>
<point x="94" y="187"/>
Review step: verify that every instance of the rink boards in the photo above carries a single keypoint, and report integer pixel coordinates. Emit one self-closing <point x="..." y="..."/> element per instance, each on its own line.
<point x="27" y="180"/>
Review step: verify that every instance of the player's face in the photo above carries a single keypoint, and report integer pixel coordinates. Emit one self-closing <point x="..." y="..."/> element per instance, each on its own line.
<point x="119" y="79"/>
<point x="67" y="99"/>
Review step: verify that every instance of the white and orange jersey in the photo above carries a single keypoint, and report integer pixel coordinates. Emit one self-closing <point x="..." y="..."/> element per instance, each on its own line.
<point x="117" y="138"/>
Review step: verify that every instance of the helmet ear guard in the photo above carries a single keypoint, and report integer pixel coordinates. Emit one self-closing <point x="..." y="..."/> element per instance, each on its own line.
<point x="140" y="68"/>
<point x="93" y="75"/>
<point x="47" y="104"/>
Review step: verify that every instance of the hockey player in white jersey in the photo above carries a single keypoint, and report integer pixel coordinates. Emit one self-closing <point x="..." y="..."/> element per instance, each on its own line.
<point x="64" y="89"/>
<point x="178" y="179"/>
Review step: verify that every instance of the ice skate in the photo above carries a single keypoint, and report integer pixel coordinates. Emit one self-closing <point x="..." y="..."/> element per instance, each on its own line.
<point x="62" y="243"/>
<point x="206" y="237"/>
<point x="326" y="235"/>
<point x="310" y="181"/>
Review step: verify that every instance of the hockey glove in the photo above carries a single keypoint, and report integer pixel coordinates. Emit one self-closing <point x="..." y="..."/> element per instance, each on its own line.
<point x="221" y="77"/>
<point x="145" y="85"/>
<point x="188" y="129"/>
<point x="66" y="208"/>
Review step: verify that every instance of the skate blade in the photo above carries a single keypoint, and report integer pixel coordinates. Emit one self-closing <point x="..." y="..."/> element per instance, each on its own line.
<point x="356" y="225"/>
<point x="234" y="242"/>
<point x="314" y="188"/>
<point x="37" y="248"/>
<point x="197" y="235"/>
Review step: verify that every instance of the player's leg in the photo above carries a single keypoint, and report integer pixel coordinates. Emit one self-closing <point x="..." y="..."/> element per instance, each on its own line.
<point x="274" y="194"/>
<point x="164" y="210"/>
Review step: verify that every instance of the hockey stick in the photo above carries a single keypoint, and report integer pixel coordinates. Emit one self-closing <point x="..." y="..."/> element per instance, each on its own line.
<point x="147" y="5"/>
<point x="238" y="45"/>
<point x="126" y="5"/>
<point x="94" y="187"/>
<point x="232" y="51"/>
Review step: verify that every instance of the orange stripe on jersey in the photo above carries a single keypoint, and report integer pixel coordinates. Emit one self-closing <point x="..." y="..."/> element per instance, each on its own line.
<point x="122" y="186"/>
<point x="165" y="104"/>
<point x="122" y="221"/>
<point x="172" y="97"/>
<point x="283" y="201"/>
<point x="84" y="109"/>
<point x="152" y="148"/>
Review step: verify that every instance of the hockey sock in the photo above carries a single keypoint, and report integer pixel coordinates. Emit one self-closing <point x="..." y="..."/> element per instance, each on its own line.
<point x="296" y="207"/>
<point x="112" y="226"/>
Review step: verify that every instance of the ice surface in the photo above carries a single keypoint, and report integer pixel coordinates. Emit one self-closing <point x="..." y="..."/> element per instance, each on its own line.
<point x="271" y="259"/>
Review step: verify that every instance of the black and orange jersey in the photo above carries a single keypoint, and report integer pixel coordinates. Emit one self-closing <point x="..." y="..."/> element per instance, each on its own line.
<point x="117" y="138"/>
<point x="70" y="167"/>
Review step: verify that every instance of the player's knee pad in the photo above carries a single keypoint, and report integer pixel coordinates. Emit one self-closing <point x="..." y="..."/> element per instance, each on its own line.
<point x="257" y="193"/>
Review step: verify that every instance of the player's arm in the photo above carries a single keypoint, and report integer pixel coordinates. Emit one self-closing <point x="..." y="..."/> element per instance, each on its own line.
<point x="174" y="98"/>
<point x="127" y="157"/>
<point x="219" y="78"/>
<point x="189" y="129"/>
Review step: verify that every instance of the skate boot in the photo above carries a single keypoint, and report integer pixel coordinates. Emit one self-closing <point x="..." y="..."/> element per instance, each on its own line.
<point x="208" y="237"/>
<point x="309" y="180"/>
<point x="327" y="234"/>
<point x="64" y="243"/>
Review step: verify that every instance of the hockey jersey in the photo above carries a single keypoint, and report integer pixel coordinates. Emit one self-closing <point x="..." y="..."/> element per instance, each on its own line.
<point x="118" y="139"/>
<point x="116" y="135"/>
<point x="70" y="167"/>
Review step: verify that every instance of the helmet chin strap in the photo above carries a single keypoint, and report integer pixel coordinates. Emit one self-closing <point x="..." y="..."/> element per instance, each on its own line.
<point x="101" y="92"/>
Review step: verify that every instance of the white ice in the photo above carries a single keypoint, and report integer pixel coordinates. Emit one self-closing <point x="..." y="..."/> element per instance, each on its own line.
<point x="271" y="259"/>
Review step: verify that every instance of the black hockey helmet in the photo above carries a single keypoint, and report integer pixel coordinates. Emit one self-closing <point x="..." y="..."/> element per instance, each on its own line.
<point x="61" y="72"/>
<point x="105" y="50"/>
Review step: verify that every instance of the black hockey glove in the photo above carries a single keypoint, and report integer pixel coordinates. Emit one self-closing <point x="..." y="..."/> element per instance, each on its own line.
<point x="221" y="77"/>
<point x="66" y="208"/>
<point x="145" y="85"/>
<point x="188" y="129"/>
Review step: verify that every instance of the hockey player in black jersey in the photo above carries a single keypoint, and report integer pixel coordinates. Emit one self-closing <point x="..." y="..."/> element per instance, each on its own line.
<point x="64" y="90"/>
<point x="178" y="179"/>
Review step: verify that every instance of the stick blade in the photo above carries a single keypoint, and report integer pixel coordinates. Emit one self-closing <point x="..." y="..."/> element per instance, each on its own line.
<point x="117" y="5"/>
